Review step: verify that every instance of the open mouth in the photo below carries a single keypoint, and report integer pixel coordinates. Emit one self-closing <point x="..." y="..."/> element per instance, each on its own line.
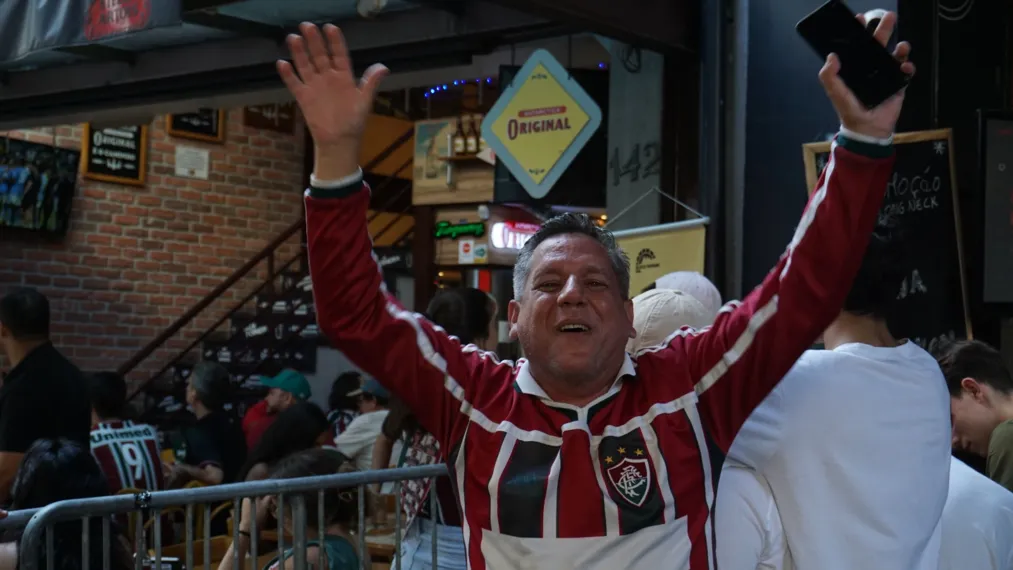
<point x="573" y="328"/>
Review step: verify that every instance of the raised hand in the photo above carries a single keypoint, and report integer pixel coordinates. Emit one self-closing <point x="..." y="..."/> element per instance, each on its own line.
<point x="333" y="104"/>
<point x="880" y="121"/>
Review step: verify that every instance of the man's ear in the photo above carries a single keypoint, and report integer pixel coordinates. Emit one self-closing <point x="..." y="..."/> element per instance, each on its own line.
<point x="513" y="313"/>
<point x="975" y="390"/>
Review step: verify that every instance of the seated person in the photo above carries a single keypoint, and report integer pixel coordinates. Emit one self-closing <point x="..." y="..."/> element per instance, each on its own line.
<point x="340" y="513"/>
<point x="213" y="449"/>
<point x="127" y="452"/>
<point x="59" y="470"/>
<point x="356" y="442"/>
<point x="301" y="426"/>
<point x="284" y="390"/>
<point x="343" y="408"/>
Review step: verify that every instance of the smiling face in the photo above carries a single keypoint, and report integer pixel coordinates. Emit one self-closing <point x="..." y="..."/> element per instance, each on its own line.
<point x="572" y="319"/>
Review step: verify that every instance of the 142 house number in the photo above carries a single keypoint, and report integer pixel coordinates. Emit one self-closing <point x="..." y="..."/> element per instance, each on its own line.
<point x="643" y="161"/>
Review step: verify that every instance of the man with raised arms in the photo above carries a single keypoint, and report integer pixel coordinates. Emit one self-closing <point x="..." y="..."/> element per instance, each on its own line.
<point x="579" y="457"/>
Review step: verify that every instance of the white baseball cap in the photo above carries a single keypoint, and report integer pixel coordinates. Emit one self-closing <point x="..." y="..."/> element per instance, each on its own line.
<point x="695" y="285"/>
<point x="660" y="312"/>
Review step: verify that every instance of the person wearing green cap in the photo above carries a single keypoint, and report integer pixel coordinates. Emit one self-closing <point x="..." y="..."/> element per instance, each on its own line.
<point x="285" y="389"/>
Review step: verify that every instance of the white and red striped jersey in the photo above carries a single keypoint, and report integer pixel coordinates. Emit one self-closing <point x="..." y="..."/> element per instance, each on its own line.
<point x="128" y="454"/>
<point x="627" y="481"/>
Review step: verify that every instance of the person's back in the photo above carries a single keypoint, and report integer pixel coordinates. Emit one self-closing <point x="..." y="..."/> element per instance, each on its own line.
<point x="128" y="454"/>
<point x="977" y="522"/>
<point x="854" y="443"/>
<point x="855" y="440"/>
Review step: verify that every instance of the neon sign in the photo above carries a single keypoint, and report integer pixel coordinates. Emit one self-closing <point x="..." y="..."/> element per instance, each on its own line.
<point x="454" y="231"/>
<point x="511" y="235"/>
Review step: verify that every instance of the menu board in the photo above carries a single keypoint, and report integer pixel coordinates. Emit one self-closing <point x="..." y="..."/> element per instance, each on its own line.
<point x="118" y="155"/>
<point x="922" y="197"/>
<point x="279" y="117"/>
<point x="204" y="124"/>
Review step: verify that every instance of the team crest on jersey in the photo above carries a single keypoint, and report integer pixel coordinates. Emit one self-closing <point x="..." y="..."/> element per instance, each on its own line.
<point x="631" y="478"/>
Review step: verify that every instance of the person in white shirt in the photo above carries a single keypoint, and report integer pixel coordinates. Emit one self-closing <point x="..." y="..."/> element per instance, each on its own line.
<point x="977" y="522"/>
<point x="356" y="442"/>
<point x="855" y="440"/>
<point x="747" y="524"/>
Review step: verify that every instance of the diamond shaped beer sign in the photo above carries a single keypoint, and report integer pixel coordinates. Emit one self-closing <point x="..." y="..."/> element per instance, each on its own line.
<point x="540" y="122"/>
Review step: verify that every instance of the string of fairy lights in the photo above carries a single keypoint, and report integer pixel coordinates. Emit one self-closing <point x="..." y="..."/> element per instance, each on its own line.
<point x="462" y="82"/>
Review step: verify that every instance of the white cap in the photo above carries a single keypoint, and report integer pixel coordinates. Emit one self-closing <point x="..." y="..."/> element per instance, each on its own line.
<point x="660" y="312"/>
<point x="696" y="285"/>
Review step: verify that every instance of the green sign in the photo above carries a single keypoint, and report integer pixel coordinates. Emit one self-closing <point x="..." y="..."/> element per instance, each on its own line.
<point x="454" y="231"/>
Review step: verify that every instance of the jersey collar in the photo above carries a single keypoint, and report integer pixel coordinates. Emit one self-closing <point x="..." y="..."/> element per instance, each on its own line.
<point x="527" y="384"/>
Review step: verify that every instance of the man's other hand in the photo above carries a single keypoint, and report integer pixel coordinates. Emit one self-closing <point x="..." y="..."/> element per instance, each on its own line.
<point x="333" y="104"/>
<point x="880" y="121"/>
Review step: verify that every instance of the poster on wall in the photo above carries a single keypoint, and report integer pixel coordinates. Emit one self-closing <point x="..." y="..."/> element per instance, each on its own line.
<point x="278" y="117"/>
<point x="655" y="251"/>
<point x="204" y="124"/>
<point x="118" y="155"/>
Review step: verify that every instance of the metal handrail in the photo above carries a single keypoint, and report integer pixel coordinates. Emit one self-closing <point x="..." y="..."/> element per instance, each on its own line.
<point x="34" y="535"/>
<point x="267" y="252"/>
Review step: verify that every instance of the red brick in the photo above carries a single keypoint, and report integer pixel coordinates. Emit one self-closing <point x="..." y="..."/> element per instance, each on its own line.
<point x="136" y="258"/>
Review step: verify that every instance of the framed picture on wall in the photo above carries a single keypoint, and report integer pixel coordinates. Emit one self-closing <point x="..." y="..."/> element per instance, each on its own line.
<point x="207" y="125"/>
<point x="118" y="155"/>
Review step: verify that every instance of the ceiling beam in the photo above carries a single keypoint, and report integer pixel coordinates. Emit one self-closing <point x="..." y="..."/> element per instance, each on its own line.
<point x="240" y="26"/>
<point x="665" y="26"/>
<point x="241" y="71"/>
<point x="99" y="52"/>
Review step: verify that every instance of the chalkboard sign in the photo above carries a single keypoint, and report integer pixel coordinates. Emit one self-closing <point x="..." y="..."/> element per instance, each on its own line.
<point x="206" y="125"/>
<point x="922" y="197"/>
<point x="118" y="155"/>
<point x="996" y="156"/>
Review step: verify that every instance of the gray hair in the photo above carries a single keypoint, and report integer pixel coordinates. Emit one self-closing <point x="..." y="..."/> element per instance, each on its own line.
<point x="212" y="383"/>
<point x="571" y="223"/>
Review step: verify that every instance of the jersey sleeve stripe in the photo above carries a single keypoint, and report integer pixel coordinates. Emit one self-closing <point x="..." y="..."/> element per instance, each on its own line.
<point x="757" y="320"/>
<point x="765" y="313"/>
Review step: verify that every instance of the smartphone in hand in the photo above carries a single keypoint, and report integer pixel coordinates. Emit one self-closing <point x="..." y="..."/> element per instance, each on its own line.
<point x="867" y="68"/>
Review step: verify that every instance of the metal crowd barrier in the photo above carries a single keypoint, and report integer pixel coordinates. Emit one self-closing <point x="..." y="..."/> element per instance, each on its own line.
<point x="38" y="523"/>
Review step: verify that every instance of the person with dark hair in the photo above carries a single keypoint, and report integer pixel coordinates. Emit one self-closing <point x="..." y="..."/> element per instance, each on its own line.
<point x="213" y="449"/>
<point x="127" y="452"/>
<point x="284" y="390"/>
<point x="870" y="495"/>
<point x="468" y="314"/>
<point x="58" y="470"/>
<point x="981" y="405"/>
<point x="343" y="408"/>
<point x="340" y="514"/>
<point x="302" y="426"/>
<point x="44" y="395"/>
<point x="575" y="440"/>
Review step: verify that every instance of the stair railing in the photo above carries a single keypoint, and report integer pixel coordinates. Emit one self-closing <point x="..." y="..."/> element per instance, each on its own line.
<point x="268" y="252"/>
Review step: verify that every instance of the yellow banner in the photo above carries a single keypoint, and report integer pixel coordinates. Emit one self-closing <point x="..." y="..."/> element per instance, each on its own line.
<point x="659" y="250"/>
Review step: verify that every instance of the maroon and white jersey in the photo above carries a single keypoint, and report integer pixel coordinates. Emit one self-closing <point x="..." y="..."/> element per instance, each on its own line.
<point x="627" y="481"/>
<point x="128" y="454"/>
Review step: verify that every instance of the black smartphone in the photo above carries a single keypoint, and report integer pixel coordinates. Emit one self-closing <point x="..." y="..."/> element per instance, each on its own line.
<point x="867" y="68"/>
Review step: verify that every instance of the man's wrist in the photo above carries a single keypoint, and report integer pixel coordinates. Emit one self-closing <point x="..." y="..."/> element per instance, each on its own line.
<point x="335" y="162"/>
<point x="866" y="134"/>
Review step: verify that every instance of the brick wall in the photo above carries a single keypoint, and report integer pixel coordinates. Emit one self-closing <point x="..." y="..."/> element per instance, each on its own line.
<point x="135" y="259"/>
